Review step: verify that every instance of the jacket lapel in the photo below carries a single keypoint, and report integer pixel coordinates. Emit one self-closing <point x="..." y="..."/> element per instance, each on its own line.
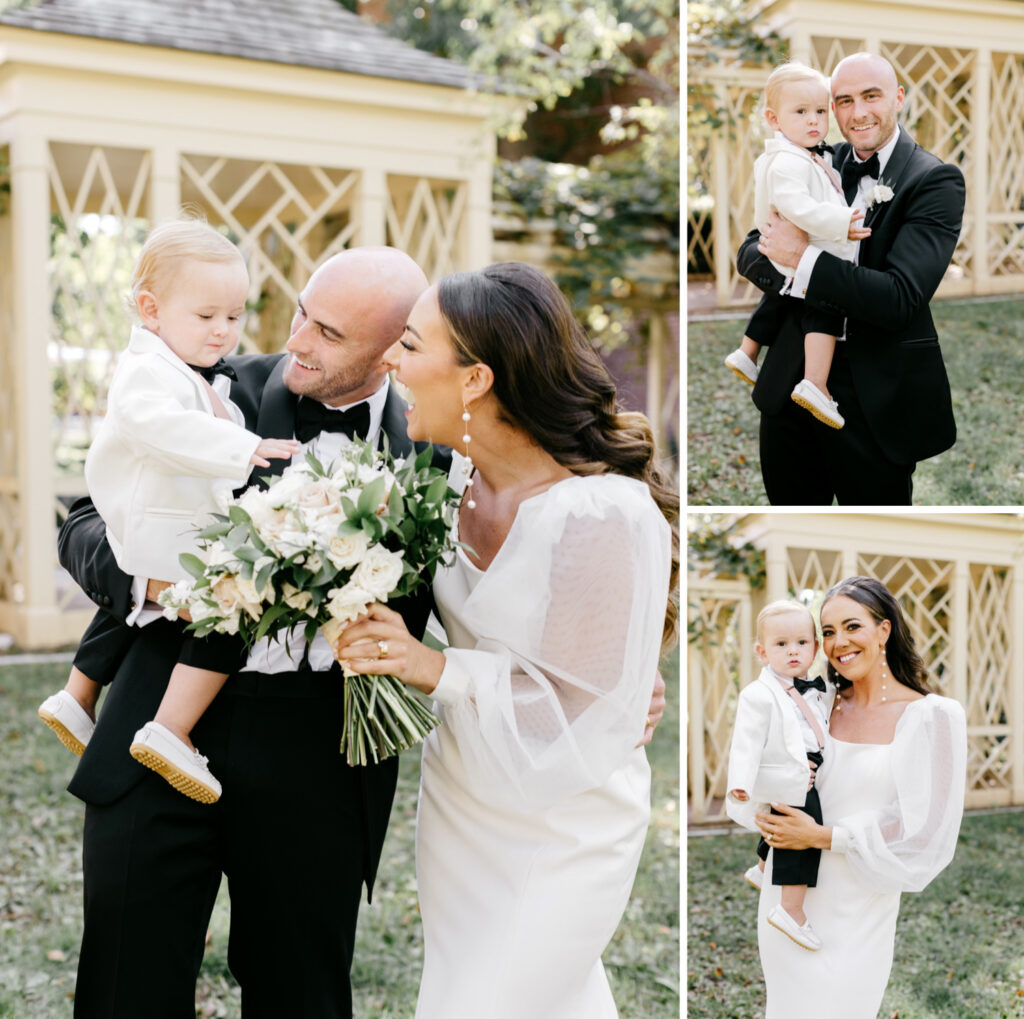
<point x="894" y="168"/>
<point x="276" y="417"/>
<point x="393" y="424"/>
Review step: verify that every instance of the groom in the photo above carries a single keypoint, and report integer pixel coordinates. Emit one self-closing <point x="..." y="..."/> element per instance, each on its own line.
<point x="887" y="375"/>
<point x="297" y="832"/>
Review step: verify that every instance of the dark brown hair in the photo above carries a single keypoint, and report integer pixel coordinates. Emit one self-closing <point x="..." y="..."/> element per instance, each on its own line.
<point x="903" y="660"/>
<point x="551" y="383"/>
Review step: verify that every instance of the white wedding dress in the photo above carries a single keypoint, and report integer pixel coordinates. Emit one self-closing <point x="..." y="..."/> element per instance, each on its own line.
<point x="895" y="810"/>
<point x="534" y="800"/>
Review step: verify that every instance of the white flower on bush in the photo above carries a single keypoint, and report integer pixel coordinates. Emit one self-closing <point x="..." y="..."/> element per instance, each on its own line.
<point x="379" y="572"/>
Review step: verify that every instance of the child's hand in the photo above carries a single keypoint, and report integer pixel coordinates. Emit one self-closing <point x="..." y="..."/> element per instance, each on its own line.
<point x="279" y="449"/>
<point x="739" y="794"/>
<point x="857" y="233"/>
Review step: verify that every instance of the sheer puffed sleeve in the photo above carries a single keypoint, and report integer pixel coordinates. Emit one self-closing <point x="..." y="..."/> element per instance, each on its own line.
<point x="903" y="847"/>
<point x="554" y="649"/>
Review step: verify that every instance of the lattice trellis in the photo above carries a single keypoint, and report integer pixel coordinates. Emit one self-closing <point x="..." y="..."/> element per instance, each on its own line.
<point x="424" y="219"/>
<point x="95" y="239"/>
<point x="716" y="616"/>
<point x="827" y="51"/>
<point x="1005" y="183"/>
<point x="286" y="219"/>
<point x="699" y="206"/>
<point x="924" y="588"/>
<point x="939" y="84"/>
<point x="812" y="569"/>
<point x="989" y="678"/>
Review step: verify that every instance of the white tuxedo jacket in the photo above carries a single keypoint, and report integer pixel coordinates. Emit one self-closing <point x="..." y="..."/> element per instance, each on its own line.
<point x="160" y="457"/>
<point x="767" y="757"/>
<point x="788" y="180"/>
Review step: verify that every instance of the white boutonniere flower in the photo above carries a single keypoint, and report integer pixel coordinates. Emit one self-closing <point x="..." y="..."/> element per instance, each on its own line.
<point x="881" y="192"/>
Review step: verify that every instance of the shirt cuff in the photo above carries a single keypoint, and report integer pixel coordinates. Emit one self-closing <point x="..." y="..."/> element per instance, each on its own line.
<point x="456" y="682"/>
<point x="840" y="840"/>
<point x="802" y="276"/>
<point x="139" y="585"/>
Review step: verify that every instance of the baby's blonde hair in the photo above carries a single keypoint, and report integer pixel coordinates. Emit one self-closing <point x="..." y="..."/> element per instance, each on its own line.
<point x="788" y="74"/>
<point x="781" y="608"/>
<point x="170" y="244"/>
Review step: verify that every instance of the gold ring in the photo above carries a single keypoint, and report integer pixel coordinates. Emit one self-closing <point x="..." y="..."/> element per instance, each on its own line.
<point x="382" y="649"/>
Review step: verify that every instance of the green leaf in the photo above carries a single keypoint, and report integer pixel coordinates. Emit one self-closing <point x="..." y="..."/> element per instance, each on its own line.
<point x="192" y="564"/>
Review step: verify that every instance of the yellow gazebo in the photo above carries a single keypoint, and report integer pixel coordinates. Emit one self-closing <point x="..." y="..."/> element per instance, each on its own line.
<point x="297" y="127"/>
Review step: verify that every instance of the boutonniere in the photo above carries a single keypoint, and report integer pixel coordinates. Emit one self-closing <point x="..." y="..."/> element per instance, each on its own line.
<point x="881" y="192"/>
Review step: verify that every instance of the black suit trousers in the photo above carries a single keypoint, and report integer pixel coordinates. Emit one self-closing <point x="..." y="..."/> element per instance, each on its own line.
<point x="804" y="462"/>
<point x="291" y="833"/>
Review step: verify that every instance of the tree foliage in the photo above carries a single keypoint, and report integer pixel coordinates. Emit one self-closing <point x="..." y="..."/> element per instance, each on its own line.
<point x="613" y="214"/>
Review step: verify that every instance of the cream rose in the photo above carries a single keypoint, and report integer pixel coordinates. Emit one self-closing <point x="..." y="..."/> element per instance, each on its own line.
<point x="379" y="572"/>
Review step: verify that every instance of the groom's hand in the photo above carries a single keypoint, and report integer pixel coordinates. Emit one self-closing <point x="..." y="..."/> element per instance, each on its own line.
<point x="782" y="241"/>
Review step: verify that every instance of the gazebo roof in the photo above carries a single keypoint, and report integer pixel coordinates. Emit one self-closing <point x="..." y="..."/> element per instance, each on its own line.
<point x="306" y="33"/>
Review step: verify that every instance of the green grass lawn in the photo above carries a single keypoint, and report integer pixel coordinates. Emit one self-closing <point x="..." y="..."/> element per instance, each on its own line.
<point x="959" y="943"/>
<point x="41" y="883"/>
<point x="983" y="347"/>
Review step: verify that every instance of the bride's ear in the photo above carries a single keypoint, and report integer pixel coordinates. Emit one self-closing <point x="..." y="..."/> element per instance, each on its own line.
<point x="477" y="382"/>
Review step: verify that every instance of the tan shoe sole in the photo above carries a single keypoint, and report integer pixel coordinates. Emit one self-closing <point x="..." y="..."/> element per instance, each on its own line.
<point x="740" y="375"/>
<point x="807" y="405"/>
<point x="790" y="936"/>
<point x="64" y="734"/>
<point x="172" y="773"/>
<point x="752" y="885"/>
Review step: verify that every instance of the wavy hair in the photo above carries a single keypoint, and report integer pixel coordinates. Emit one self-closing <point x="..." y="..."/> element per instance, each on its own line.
<point x="550" y="382"/>
<point x="904" y="662"/>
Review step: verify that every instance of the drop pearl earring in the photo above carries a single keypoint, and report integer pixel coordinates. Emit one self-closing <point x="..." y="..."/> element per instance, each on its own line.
<point x="885" y="675"/>
<point x="467" y="467"/>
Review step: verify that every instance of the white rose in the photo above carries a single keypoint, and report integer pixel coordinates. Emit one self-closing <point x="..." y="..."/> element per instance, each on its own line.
<point x="348" y="602"/>
<point x="256" y="503"/>
<point x="346" y="551"/>
<point x="379" y="572"/>
<point x="296" y="599"/>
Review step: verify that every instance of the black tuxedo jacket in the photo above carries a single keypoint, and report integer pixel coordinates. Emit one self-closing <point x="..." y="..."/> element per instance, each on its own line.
<point x="106" y="770"/>
<point x="891" y="343"/>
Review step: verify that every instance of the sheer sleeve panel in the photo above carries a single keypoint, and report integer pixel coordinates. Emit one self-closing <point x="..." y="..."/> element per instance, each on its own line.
<point x="562" y="636"/>
<point x="902" y="848"/>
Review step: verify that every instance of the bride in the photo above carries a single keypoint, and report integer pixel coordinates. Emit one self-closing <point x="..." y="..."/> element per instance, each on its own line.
<point x="892" y="796"/>
<point x="534" y="798"/>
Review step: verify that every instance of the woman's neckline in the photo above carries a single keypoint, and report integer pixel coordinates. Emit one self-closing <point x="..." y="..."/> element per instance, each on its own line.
<point x="459" y="551"/>
<point x="859" y="743"/>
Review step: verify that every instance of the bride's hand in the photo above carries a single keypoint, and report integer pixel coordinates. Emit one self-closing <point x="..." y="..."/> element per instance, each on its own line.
<point x="379" y="643"/>
<point x="792" y="828"/>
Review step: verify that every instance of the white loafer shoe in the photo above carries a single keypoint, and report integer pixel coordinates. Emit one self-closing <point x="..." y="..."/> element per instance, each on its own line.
<point x="804" y="936"/>
<point x="811" y="398"/>
<point x="754" y="876"/>
<point x="743" y="366"/>
<point x="68" y="719"/>
<point x="158" y="748"/>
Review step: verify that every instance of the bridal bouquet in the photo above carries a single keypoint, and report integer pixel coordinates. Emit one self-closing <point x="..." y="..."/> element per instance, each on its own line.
<point x="314" y="551"/>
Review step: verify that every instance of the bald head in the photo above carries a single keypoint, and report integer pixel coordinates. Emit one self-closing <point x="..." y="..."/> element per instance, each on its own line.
<point x="866" y="99"/>
<point x="384" y="282"/>
<point x="354" y="307"/>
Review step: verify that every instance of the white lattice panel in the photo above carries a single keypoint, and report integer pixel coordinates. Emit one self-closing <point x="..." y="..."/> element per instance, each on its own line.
<point x="94" y="239"/>
<point x="716" y="658"/>
<point x="989" y="658"/>
<point x="812" y="569"/>
<point x="826" y="52"/>
<point x="285" y="218"/>
<point x="424" y="219"/>
<point x="1005" y="182"/>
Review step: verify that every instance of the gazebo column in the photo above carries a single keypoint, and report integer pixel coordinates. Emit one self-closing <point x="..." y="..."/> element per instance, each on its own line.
<point x="373" y="205"/>
<point x="31" y="619"/>
<point x="979" y="189"/>
<point x="476" y="233"/>
<point x="164" y="184"/>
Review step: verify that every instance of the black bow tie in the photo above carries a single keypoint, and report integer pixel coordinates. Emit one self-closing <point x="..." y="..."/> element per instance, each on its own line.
<point x="312" y="418"/>
<point x="820" y="149"/>
<point x="803" y="685"/>
<point x="212" y="371"/>
<point x="853" y="171"/>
